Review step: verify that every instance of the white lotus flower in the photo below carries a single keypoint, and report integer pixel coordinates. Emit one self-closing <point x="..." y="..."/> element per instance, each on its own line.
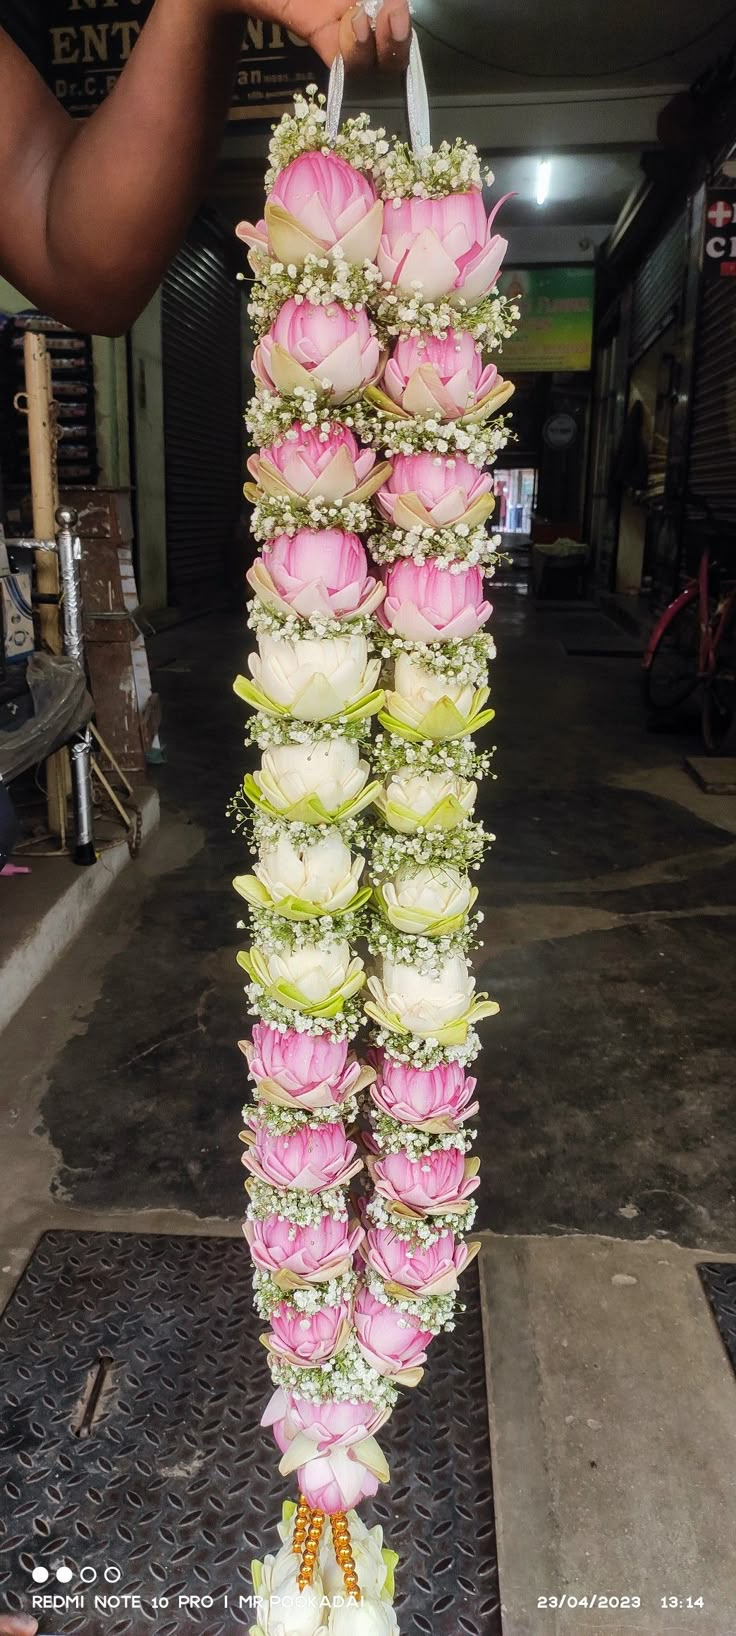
<point x="316" y="971"/>
<point x="284" y="1610"/>
<point x="312" y="782"/>
<point x="310" y="978"/>
<point x="424" y="688"/>
<point x="426" y="705"/>
<point x="412" y="800"/>
<point x="323" y="878"/>
<point x="312" y="679"/>
<point x="430" y="901"/>
<point x="441" y="1008"/>
<point x="369" y="1617"/>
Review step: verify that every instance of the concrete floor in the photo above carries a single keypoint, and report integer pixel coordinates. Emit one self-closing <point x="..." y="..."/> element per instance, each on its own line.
<point x="610" y="899"/>
<point x="613" y="1433"/>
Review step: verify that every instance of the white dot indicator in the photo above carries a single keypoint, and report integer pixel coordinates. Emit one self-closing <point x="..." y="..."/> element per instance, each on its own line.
<point x="40" y="1575"/>
<point x="64" y="1575"/>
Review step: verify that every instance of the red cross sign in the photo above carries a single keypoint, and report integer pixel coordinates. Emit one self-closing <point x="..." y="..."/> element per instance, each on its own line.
<point x="720" y="213"/>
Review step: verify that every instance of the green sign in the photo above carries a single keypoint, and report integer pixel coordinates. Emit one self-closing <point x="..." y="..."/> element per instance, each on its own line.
<point x="90" y="41"/>
<point x="556" y="326"/>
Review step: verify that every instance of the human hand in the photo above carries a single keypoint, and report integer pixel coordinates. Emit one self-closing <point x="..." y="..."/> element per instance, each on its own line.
<point x="330" y="26"/>
<point x="17" y="1624"/>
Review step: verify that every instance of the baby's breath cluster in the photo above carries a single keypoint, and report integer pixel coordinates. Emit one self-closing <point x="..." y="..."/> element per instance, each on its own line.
<point x="457" y="756"/>
<point x="270" y="417"/>
<point x="272" y="932"/>
<point x="269" y="1296"/>
<point x="456" y="548"/>
<point x="453" y="167"/>
<point x="303" y="131"/>
<point x="286" y="514"/>
<point x="263" y="1005"/>
<point x="491" y="322"/>
<point x="461" y="848"/>
<point x="435" y="1312"/>
<point x="478" y="441"/>
<point x="463" y="660"/>
<point x="294" y="1206"/>
<point x="427" y="954"/>
<point x="378" y="1210"/>
<point x="321" y="280"/>
<point x="348" y="1378"/>
<point x="267" y="731"/>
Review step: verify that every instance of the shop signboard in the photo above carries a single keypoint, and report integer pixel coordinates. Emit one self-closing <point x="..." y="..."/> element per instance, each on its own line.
<point x="89" y="43"/>
<point x="556" y="328"/>
<point x="719" y="260"/>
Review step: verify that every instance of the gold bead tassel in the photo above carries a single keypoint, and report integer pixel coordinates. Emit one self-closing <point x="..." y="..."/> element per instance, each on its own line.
<point x="311" y="1549"/>
<point x="344" y="1553"/>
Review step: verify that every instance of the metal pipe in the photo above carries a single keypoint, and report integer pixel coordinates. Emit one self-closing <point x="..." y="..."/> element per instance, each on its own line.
<point x="70" y="550"/>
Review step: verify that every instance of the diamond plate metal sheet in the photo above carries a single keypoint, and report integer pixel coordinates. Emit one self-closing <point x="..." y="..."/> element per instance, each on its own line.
<point x="176" y="1487"/>
<point x="719" y="1282"/>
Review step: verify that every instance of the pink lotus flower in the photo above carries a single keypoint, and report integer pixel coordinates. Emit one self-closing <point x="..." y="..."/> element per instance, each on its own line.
<point x="303" y="1255"/>
<point x="432" y="1269"/>
<point x="316" y="571"/>
<point x="317" y="464"/>
<point x="309" y="1338"/>
<point x="425" y="603"/>
<point x="330" y="1445"/>
<point x="439" y="1181"/>
<point x="445" y="246"/>
<point x="312" y="1158"/>
<point x="435" y="492"/>
<point x="317" y="203"/>
<point x="336" y="1483"/>
<point x="318" y="349"/>
<point x="444" y="376"/>
<point x="312" y="1070"/>
<point x="329" y="1424"/>
<point x="426" y="1098"/>
<point x="393" y="1342"/>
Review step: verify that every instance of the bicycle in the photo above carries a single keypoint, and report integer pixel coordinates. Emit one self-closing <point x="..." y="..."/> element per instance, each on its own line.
<point x="693" y="646"/>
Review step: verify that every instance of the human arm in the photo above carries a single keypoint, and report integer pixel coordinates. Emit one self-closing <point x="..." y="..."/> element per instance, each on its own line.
<point x="92" y="213"/>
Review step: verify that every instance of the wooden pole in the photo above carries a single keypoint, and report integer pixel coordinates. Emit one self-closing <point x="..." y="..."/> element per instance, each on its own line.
<point x="45" y="497"/>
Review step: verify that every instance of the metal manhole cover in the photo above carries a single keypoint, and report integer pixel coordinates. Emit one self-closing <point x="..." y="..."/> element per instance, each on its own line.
<point x="131" y="1387"/>
<point x="719" y="1282"/>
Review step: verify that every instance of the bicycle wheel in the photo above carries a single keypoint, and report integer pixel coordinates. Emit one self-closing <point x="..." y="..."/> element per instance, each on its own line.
<point x="673" y="674"/>
<point x="719" y="697"/>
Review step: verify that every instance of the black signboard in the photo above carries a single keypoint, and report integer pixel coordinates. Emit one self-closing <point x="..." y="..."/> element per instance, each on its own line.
<point x="90" y="41"/>
<point x="719" y="260"/>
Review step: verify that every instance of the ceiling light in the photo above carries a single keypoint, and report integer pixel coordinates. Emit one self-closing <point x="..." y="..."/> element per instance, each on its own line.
<point x="544" y="173"/>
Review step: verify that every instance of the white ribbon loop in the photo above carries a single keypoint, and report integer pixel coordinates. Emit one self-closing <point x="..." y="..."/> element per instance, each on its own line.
<point x="417" y="101"/>
<point x="335" y="91"/>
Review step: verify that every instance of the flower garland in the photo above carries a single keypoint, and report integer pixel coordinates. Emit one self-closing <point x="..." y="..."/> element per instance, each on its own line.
<point x="376" y="412"/>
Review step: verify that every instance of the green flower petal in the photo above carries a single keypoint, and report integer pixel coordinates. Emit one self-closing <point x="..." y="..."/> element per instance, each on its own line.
<point x="391" y="1559"/>
<point x="257" y="700"/>
<point x="354" y="710"/>
<point x="253" y="890"/>
<point x="309" y="809"/>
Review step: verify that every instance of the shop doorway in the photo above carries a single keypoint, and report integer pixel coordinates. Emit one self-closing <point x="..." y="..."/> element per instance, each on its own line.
<point x="515" y="492"/>
<point x="641" y="462"/>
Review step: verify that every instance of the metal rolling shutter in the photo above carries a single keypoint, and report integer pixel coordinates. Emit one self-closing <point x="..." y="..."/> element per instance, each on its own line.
<point x="712" y="472"/>
<point x="202" y="411"/>
<point x="659" y="287"/>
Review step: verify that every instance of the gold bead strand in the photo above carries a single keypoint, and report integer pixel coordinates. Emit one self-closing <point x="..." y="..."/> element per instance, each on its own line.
<point x="344" y="1553"/>
<point x="301" y="1526"/>
<point x="311" y="1549"/>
